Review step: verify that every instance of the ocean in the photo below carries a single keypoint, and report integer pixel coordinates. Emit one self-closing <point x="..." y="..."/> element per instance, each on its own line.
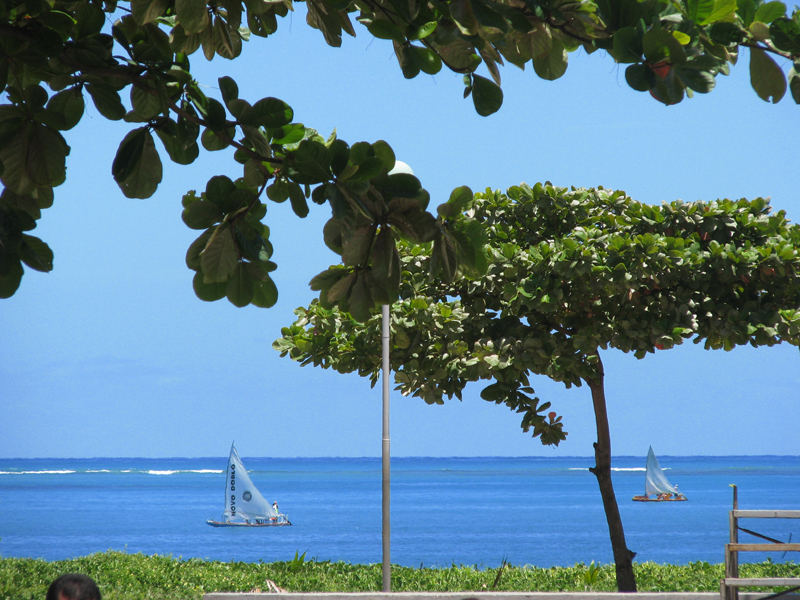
<point x="463" y="511"/>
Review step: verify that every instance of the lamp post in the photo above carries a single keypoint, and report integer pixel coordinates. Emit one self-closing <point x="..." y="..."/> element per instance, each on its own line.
<point x="399" y="167"/>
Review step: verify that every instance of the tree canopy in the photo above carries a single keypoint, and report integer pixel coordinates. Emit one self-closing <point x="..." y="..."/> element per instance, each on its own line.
<point x="572" y="272"/>
<point x="672" y="49"/>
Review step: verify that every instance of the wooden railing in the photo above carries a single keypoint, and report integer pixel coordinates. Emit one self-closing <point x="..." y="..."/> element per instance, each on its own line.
<point x="729" y="586"/>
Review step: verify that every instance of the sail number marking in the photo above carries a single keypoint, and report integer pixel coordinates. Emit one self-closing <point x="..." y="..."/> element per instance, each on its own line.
<point x="233" y="489"/>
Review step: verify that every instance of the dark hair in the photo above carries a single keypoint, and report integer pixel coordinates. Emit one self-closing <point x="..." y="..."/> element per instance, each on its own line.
<point x="73" y="586"/>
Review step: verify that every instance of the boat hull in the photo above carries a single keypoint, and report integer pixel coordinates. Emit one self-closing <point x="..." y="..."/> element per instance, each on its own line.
<point x="642" y="499"/>
<point x="229" y="524"/>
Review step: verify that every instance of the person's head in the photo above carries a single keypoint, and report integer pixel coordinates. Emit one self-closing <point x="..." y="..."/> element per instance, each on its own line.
<point x="73" y="586"/>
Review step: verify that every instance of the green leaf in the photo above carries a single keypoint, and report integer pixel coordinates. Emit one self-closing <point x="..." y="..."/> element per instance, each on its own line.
<point x="145" y="174"/>
<point x="460" y="199"/>
<point x="298" y="199"/>
<point x="10" y="279"/>
<point x="218" y="261"/>
<point x="554" y="64"/>
<point x="201" y="215"/>
<point x="218" y="189"/>
<point x="640" y="77"/>
<point x="794" y="84"/>
<point x="192" y="15"/>
<point x="385" y="30"/>
<point x="385" y="153"/>
<point x="208" y="291"/>
<point x="405" y="57"/>
<point x="727" y="34"/>
<point x="129" y="154"/>
<point x="180" y="152"/>
<point x="310" y="163"/>
<point x="461" y="11"/>
<point x="278" y="191"/>
<point x="146" y="11"/>
<point x="340" y="289"/>
<point x="70" y="104"/>
<point x="426" y="30"/>
<point x="766" y="76"/>
<point x="444" y="261"/>
<point x="460" y="55"/>
<point x="770" y="11"/>
<point x="704" y="12"/>
<point x="747" y="11"/>
<point x="289" y="134"/>
<point x="89" y="20"/>
<point x="340" y="156"/>
<point x="486" y="95"/>
<point x="356" y="246"/>
<point x="367" y="169"/>
<point x="488" y="17"/>
<point x="196" y="248"/>
<point x="214" y="114"/>
<point x="144" y="104"/>
<point x="332" y="235"/>
<point x="785" y="34"/>
<point x="627" y="45"/>
<point x="699" y="9"/>
<point x="426" y="60"/>
<point x="659" y="45"/>
<point x="227" y="40"/>
<point x="213" y="141"/>
<point x="382" y="254"/>
<point x="265" y="293"/>
<point x="268" y="112"/>
<point x="327" y="279"/>
<point x="682" y="38"/>
<point x="107" y="102"/>
<point x="228" y="89"/>
<point x="33" y="156"/>
<point x="700" y="81"/>
<point x="241" y="287"/>
<point x="360" y="302"/>
<point x="36" y="254"/>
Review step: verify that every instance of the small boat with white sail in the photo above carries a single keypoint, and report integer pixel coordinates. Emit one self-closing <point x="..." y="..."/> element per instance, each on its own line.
<point x="656" y="483"/>
<point x="244" y="504"/>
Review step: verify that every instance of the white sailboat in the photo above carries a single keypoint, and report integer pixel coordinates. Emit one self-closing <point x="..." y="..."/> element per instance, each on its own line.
<point x="656" y="483"/>
<point x="244" y="504"/>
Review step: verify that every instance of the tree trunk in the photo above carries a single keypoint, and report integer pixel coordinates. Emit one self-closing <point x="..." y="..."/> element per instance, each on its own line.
<point x="623" y="558"/>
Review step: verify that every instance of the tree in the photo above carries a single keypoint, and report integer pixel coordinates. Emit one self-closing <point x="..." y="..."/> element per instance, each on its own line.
<point x="54" y="53"/>
<point x="573" y="272"/>
<point x="672" y="48"/>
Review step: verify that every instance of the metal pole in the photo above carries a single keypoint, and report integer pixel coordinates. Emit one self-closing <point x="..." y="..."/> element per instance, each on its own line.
<point x="386" y="529"/>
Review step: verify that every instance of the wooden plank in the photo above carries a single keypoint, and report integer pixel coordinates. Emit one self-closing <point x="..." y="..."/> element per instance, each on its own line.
<point x="766" y="514"/>
<point x="763" y="547"/>
<point x="765" y="581"/>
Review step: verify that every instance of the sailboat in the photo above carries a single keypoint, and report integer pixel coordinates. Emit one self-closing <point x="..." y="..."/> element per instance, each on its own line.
<point x="656" y="483"/>
<point x="244" y="504"/>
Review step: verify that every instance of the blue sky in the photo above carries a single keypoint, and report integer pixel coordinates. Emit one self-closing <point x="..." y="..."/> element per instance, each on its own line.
<point x="111" y="354"/>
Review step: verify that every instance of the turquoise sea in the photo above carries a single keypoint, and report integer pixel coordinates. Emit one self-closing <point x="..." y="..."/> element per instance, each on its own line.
<point x="470" y="511"/>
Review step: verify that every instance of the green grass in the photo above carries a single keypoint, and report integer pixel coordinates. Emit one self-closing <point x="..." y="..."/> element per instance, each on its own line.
<point x="124" y="576"/>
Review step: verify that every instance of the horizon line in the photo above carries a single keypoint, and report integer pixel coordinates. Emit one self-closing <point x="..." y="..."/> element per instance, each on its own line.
<point x="377" y="457"/>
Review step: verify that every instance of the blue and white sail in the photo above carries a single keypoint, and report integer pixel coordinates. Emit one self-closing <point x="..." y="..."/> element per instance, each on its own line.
<point x="243" y="501"/>
<point x="655" y="480"/>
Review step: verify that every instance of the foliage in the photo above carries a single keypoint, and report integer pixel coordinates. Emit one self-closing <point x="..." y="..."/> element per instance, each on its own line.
<point x="55" y="55"/>
<point x="298" y="562"/>
<point x="572" y="272"/>
<point x="65" y="46"/>
<point x="590" y="576"/>
<point x="123" y="576"/>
